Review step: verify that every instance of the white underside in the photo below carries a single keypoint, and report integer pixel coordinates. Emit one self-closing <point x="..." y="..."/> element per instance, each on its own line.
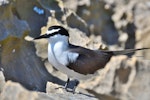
<point x="59" y="63"/>
<point x="59" y="56"/>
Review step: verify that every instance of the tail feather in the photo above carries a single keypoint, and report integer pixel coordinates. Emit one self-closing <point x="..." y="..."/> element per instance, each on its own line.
<point x="127" y="51"/>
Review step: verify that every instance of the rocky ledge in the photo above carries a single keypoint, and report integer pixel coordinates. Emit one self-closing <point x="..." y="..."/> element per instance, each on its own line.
<point x="18" y="92"/>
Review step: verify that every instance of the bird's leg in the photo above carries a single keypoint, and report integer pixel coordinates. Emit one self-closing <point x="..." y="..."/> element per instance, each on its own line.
<point x="66" y="84"/>
<point x="76" y="84"/>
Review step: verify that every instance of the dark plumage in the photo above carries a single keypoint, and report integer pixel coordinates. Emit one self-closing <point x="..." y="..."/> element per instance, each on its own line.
<point x="90" y="61"/>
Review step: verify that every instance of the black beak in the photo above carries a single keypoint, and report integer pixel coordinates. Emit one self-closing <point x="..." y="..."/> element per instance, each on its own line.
<point x="42" y="36"/>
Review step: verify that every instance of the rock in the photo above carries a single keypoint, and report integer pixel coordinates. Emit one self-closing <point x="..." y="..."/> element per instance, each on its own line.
<point x="97" y="17"/>
<point x="142" y="23"/>
<point x="52" y="5"/>
<point x="124" y="21"/>
<point x="103" y="82"/>
<point x="74" y="21"/>
<point x="3" y="2"/>
<point x="74" y="4"/>
<point x="119" y="23"/>
<point x="22" y="64"/>
<point x="25" y="10"/>
<point x="68" y="4"/>
<point x="9" y="23"/>
<point x="55" y="90"/>
<point x="139" y="89"/>
<point x="130" y="18"/>
<point x="17" y="92"/>
<point x="2" y="81"/>
<point x="18" y="58"/>
<point x="122" y="78"/>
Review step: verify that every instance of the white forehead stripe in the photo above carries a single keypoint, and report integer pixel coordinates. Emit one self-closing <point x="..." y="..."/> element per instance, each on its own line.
<point x="52" y="31"/>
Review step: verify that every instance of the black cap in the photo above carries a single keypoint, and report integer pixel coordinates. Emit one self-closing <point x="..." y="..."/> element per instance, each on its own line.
<point x="59" y="30"/>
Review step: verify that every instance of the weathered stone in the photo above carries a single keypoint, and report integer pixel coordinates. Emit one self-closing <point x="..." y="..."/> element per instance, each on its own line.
<point x="123" y="23"/>
<point x="122" y="78"/>
<point x="9" y="23"/>
<point x="17" y="92"/>
<point x="25" y="10"/>
<point x="74" y="21"/>
<point x="3" y="2"/>
<point x="18" y="58"/>
<point x="2" y="81"/>
<point x="22" y="64"/>
<point x="55" y="90"/>
<point x="97" y="17"/>
<point x="139" y="88"/>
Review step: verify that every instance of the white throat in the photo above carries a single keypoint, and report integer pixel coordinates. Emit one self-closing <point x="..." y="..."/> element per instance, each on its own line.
<point x="58" y="46"/>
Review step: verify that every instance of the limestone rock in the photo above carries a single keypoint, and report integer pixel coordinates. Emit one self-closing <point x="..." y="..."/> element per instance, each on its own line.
<point x="3" y="2"/>
<point x="74" y="21"/>
<point x="74" y="4"/>
<point x="17" y="92"/>
<point x="122" y="78"/>
<point x="139" y="88"/>
<point x="2" y="81"/>
<point x="9" y="23"/>
<point x="96" y="16"/>
<point x="119" y="23"/>
<point x="17" y="56"/>
<point x="30" y="12"/>
<point x="54" y="89"/>
<point x="20" y="64"/>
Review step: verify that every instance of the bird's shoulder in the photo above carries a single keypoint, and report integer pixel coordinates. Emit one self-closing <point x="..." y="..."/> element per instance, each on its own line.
<point x="81" y="50"/>
<point x="88" y="61"/>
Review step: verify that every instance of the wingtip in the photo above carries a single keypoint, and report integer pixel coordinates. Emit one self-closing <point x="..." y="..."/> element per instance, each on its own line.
<point x="142" y="48"/>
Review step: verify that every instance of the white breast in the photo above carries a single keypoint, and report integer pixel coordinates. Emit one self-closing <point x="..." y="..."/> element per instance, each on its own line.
<point x="58" y="56"/>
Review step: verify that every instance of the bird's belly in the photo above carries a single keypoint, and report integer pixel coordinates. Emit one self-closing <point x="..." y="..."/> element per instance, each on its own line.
<point x="70" y="73"/>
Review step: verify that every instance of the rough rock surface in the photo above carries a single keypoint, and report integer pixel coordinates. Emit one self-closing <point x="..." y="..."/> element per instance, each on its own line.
<point x="121" y="79"/>
<point x="2" y="81"/>
<point x="18" y="57"/>
<point x="119" y="24"/>
<point x="17" y="92"/>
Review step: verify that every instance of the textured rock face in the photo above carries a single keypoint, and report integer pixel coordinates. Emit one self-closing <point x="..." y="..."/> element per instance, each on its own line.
<point x="17" y="92"/>
<point x="122" y="78"/>
<point x="118" y="24"/>
<point x="18" y="58"/>
<point x="9" y="23"/>
<point x="2" y="81"/>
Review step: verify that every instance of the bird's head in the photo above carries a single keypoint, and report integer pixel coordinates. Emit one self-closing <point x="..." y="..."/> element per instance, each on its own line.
<point x="54" y="32"/>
